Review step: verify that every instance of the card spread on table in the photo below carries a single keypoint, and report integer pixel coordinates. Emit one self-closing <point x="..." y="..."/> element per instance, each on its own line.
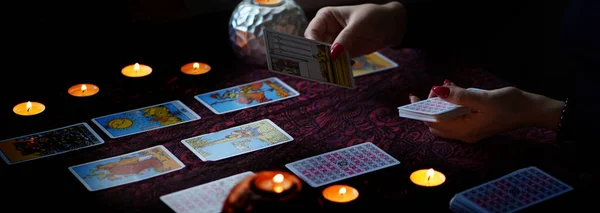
<point x="372" y="63"/>
<point x="432" y="110"/>
<point x="127" y="168"/>
<point x="247" y="95"/>
<point x="145" y="119"/>
<point x="237" y="140"/>
<point x="307" y="59"/>
<point x="206" y="198"/>
<point x="341" y="164"/>
<point x="515" y="191"/>
<point x="48" y="143"/>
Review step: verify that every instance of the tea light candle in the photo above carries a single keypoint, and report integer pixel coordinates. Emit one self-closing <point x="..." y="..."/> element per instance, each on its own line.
<point x="267" y="2"/>
<point x="83" y="90"/>
<point x="136" y="70"/>
<point x="195" y="68"/>
<point x="340" y="193"/>
<point x="274" y="182"/>
<point x="427" y="177"/>
<point x="29" y="108"/>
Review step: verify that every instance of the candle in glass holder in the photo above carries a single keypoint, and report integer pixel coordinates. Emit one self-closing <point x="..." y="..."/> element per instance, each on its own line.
<point x="83" y="90"/>
<point x="136" y="70"/>
<point x="427" y="178"/>
<point x="195" y="68"/>
<point x="267" y="2"/>
<point x="340" y="193"/>
<point x="29" y="108"/>
<point x="274" y="183"/>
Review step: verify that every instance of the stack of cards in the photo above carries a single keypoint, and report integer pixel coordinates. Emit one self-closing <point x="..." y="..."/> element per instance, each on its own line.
<point x="341" y="164"/>
<point x="372" y="63"/>
<point x="205" y="198"/>
<point x="432" y="110"/>
<point x="307" y="59"/>
<point x="510" y="193"/>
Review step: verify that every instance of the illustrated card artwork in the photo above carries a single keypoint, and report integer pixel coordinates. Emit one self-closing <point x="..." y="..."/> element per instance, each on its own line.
<point x="145" y="119"/>
<point x="206" y="198"/>
<point x="308" y="59"/>
<point x="127" y="168"/>
<point x="341" y="164"/>
<point x="48" y="143"/>
<point x="247" y="95"/>
<point x="510" y="193"/>
<point x="237" y="140"/>
<point x="372" y="63"/>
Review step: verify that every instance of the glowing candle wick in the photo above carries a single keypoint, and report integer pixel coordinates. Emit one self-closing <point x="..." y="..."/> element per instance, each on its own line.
<point x="196" y="66"/>
<point x="28" y="107"/>
<point x="278" y="179"/>
<point x="429" y="174"/>
<point x="136" y="67"/>
<point x="342" y="191"/>
<point x="83" y="88"/>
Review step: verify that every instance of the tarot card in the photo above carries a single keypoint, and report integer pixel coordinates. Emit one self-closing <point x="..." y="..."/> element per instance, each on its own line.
<point x="247" y="95"/>
<point x="510" y="193"/>
<point x="145" y="119"/>
<point x="206" y="198"/>
<point x="372" y="63"/>
<point x="432" y="110"/>
<point x="237" y="140"/>
<point x="48" y="143"/>
<point x="307" y="59"/>
<point x="127" y="168"/>
<point x="341" y="164"/>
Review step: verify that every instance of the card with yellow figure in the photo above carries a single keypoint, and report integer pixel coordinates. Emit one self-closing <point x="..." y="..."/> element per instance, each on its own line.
<point x="372" y="63"/>
<point x="127" y="168"/>
<point x="48" y="143"/>
<point x="237" y="140"/>
<point x="145" y="119"/>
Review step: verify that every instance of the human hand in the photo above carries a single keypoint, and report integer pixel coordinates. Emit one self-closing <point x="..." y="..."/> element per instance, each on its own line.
<point x="492" y="112"/>
<point x="359" y="29"/>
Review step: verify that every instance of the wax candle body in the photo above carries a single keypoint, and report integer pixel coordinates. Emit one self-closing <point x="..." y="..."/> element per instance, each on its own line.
<point x="83" y="90"/>
<point x="136" y="70"/>
<point x="29" y="108"/>
<point x="340" y="193"/>
<point x="195" y="68"/>
<point x="267" y="2"/>
<point x="427" y="178"/>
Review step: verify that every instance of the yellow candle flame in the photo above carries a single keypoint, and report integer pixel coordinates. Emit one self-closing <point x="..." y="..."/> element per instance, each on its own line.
<point x="83" y="88"/>
<point x="342" y="191"/>
<point x="429" y="174"/>
<point x="196" y="65"/>
<point x="136" y="67"/>
<point x="28" y="106"/>
<point x="278" y="178"/>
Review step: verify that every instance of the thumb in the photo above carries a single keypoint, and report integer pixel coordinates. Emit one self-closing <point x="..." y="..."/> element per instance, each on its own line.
<point x="343" y="42"/>
<point x="460" y="96"/>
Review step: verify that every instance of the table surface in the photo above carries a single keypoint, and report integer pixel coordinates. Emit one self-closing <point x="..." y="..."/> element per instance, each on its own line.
<point x="322" y="118"/>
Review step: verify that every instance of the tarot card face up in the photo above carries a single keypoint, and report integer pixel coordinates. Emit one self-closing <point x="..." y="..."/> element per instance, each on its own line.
<point x="372" y="63"/>
<point x="48" y="143"/>
<point x="145" y="119"/>
<point x="247" y="95"/>
<point x="237" y="140"/>
<point x="308" y="59"/>
<point x="127" y="168"/>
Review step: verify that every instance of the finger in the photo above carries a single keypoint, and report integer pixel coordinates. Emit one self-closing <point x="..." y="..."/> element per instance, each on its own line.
<point x="448" y="83"/>
<point x="460" y="96"/>
<point x="413" y="98"/>
<point x="440" y="133"/>
<point x="318" y="25"/>
<point x="343" y="43"/>
<point x="431" y="93"/>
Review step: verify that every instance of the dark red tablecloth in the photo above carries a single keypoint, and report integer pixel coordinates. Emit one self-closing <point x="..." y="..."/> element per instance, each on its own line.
<point x="323" y="118"/>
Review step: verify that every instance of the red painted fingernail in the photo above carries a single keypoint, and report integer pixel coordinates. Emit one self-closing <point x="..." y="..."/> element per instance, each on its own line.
<point x="433" y="87"/>
<point x="336" y="50"/>
<point x="442" y="92"/>
<point x="447" y="81"/>
<point x="410" y="94"/>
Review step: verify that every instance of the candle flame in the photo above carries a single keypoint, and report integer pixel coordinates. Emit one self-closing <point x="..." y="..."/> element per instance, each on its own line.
<point x="28" y="106"/>
<point x="196" y="65"/>
<point x="429" y="174"/>
<point x="136" y="67"/>
<point x="278" y="178"/>
<point x="83" y="88"/>
<point x="342" y="191"/>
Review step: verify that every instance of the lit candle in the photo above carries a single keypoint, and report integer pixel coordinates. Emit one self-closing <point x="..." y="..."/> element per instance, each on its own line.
<point x="29" y="108"/>
<point x="267" y="2"/>
<point x="83" y="90"/>
<point x="277" y="182"/>
<point x="340" y="193"/>
<point x="136" y="70"/>
<point x="195" y="68"/>
<point x="427" y="177"/>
